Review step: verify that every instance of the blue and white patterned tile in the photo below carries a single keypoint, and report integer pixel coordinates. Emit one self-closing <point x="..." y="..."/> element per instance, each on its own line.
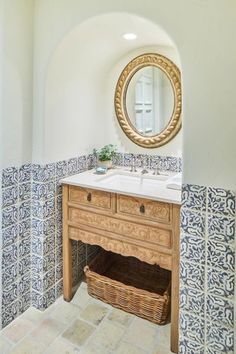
<point x="59" y="272"/>
<point x="193" y="223"/>
<point x="192" y="327"/>
<point x="43" y="283"/>
<point x="24" y="247"/>
<point x="36" y="300"/>
<point x="169" y="163"/>
<point x="189" y="347"/>
<point x="49" y="297"/>
<point x="25" y="173"/>
<point x="220" y="338"/>
<point x="220" y="256"/>
<point x="9" y="196"/>
<point x="24" y="191"/>
<point x="83" y="163"/>
<point x="91" y="162"/>
<point x="24" y="228"/>
<point x="221" y="282"/>
<point x="118" y="159"/>
<point x="61" y="169"/>
<point x="9" y="294"/>
<point x="9" y="275"/>
<point x="192" y="248"/>
<point x="72" y="166"/>
<point x="24" y="265"/>
<point x="192" y="275"/>
<point x="9" y="313"/>
<point x="42" y="264"/>
<point x="43" y="209"/>
<point x="128" y="159"/>
<point x="41" y="246"/>
<point x="192" y="300"/>
<point x="24" y="302"/>
<point x="58" y="237"/>
<point x="220" y="310"/>
<point x="143" y="161"/>
<point x="9" y="176"/>
<point x="10" y="216"/>
<point x="59" y="288"/>
<point x="194" y="197"/>
<point x="180" y="164"/>
<point x="43" y="228"/>
<point x="221" y="228"/>
<point x="24" y="210"/>
<point x="9" y="235"/>
<point x="58" y="254"/>
<point x="9" y="255"/>
<point x="221" y="201"/>
<point x="43" y="173"/>
<point x="59" y="204"/>
<point x="42" y="191"/>
<point x="155" y="162"/>
<point x="37" y="263"/>
<point x="58" y="186"/>
<point x="24" y="284"/>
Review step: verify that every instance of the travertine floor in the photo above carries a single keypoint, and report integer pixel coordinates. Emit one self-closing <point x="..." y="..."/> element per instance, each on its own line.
<point x="85" y="326"/>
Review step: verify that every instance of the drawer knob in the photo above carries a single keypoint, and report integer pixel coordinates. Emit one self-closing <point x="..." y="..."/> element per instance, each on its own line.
<point x="89" y="197"/>
<point x="142" y="209"/>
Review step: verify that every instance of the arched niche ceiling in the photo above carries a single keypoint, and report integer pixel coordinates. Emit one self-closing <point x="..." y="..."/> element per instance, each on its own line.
<point x="77" y="73"/>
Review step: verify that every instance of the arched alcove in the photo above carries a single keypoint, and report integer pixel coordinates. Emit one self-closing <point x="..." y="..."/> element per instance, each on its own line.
<point x="80" y="83"/>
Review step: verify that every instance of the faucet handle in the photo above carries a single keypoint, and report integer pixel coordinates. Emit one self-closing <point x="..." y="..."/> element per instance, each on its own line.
<point x="156" y="171"/>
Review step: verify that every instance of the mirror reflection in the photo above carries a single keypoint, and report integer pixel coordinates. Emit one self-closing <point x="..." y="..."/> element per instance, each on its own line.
<point x="149" y="100"/>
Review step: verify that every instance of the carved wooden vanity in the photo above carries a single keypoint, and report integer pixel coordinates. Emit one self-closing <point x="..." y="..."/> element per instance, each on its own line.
<point x="130" y="226"/>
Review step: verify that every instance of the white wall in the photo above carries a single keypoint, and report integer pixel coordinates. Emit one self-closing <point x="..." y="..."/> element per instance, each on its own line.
<point x="80" y="84"/>
<point x="17" y="94"/>
<point x="204" y="34"/>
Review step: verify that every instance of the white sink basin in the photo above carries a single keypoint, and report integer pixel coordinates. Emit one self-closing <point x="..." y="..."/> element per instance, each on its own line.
<point x="121" y="179"/>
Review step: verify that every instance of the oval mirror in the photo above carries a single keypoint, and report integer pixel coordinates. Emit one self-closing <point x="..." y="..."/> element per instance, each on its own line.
<point x="148" y="100"/>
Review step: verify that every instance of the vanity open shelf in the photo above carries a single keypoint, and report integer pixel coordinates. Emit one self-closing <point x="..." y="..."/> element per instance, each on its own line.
<point x="132" y="226"/>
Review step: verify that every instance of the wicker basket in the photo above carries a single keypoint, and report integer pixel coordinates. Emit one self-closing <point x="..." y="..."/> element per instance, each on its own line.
<point x="130" y="285"/>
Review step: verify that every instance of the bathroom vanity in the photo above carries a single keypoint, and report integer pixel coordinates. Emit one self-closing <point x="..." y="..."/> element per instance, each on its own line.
<point x="125" y="213"/>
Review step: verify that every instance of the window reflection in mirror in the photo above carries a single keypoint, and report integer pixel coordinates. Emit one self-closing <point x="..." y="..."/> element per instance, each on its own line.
<point x="149" y="100"/>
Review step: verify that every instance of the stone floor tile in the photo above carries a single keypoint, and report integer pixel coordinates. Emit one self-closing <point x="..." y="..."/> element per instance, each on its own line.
<point x="47" y="331"/>
<point x="29" y="345"/>
<point x="65" y="312"/>
<point x="107" y="335"/>
<point x="5" y="344"/>
<point x="94" y="313"/>
<point x="33" y="315"/>
<point x="161" y="349"/>
<point x="129" y="349"/>
<point x="78" y="332"/>
<point x="61" y="346"/>
<point x="81" y="298"/>
<point x="121" y="317"/>
<point x="141" y="333"/>
<point x="18" y="329"/>
<point x="93" y="348"/>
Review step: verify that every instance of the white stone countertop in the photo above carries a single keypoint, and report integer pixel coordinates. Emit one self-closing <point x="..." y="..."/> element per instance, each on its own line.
<point x="122" y="181"/>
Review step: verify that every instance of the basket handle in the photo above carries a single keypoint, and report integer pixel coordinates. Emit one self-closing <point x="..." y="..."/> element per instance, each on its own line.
<point x="86" y="269"/>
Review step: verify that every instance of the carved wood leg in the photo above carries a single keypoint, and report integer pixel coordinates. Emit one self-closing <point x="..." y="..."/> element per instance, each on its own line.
<point x="67" y="253"/>
<point x="175" y="281"/>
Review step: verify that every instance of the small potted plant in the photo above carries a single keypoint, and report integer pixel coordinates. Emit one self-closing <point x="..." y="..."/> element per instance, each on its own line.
<point x="105" y="155"/>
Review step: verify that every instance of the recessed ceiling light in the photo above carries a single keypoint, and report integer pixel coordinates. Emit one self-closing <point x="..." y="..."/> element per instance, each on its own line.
<point x="129" y="36"/>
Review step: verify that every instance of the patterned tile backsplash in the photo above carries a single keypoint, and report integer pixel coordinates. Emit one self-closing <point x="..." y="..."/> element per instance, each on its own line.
<point x="207" y="274"/>
<point x="31" y="248"/>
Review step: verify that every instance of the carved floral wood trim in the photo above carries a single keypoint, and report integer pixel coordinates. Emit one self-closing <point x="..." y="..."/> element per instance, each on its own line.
<point x="173" y="74"/>
<point x="123" y="248"/>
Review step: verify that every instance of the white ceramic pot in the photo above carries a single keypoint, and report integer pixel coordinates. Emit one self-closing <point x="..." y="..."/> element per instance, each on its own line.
<point x="106" y="164"/>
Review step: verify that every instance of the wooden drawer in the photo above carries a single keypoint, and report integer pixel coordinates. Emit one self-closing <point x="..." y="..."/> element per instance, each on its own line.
<point x="131" y="230"/>
<point x="144" y="208"/>
<point x="90" y="197"/>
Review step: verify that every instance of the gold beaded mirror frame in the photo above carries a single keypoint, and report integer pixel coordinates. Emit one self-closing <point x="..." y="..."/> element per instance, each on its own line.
<point x="174" y="123"/>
